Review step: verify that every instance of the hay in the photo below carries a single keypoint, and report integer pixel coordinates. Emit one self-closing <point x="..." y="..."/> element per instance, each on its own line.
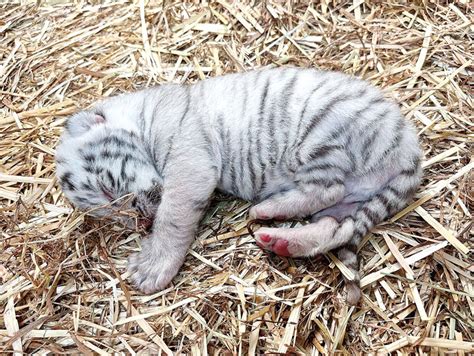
<point x="63" y="285"/>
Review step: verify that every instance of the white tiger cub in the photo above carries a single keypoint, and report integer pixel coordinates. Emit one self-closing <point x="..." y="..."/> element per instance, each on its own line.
<point x="297" y="142"/>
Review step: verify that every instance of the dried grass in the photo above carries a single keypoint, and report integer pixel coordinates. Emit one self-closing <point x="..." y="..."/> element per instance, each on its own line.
<point x="63" y="285"/>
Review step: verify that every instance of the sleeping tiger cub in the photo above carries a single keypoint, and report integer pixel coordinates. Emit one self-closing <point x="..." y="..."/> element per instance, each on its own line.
<point x="297" y="142"/>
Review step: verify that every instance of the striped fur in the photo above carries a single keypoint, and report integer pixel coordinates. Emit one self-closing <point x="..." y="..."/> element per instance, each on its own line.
<point x="296" y="142"/>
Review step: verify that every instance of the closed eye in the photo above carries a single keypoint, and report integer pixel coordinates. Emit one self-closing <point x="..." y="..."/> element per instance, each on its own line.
<point x="99" y="111"/>
<point x="107" y="194"/>
<point x="106" y="191"/>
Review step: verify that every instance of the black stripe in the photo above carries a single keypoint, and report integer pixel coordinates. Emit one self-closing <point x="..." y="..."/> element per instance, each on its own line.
<point x="152" y="130"/>
<point x="188" y="103"/>
<point x="377" y="100"/>
<point x="241" y="159"/>
<point x="324" y="150"/>
<point x="98" y="170"/>
<point x="168" y="152"/>
<point x="371" y="215"/>
<point x="89" y="157"/>
<point x="261" y="115"/>
<point x="364" y="225"/>
<point x="395" y="192"/>
<point x="66" y="181"/>
<point x="232" y="164"/>
<point x="111" y="155"/>
<point x="111" y="178"/>
<point x="376" y="123"/>
<point x="417" y="162"/>
<point x="360" y="230"/>
<point x="326" y="182"/>
<point x="394" y="143"/>
<point x="273" y="152"/>
<point x="180" y="124"/>
<point x="384" y="201"/>
<point x="321" y="114"/>
<point x="224" y="153"/>
<point x="139" y="160"/>
<point x="250" y="135"/>
<point x="264" y="97"/>
<point x="250" y="162"/>
<point x="89" y="169"/>
<point x="319" y="166"/>
<point x="206" y="137"/>
<point x="355" y="118"/>
<point x="352" y="159"/>
<point x="174" y="225"/>
<point x="87" y="186"/>
<point x="409" y="172"/>
<point x="287" y="93"/>
<point x="141" y="116"/>
<point x="306" y="103"/>
<point x="82" y="200"/>
<point x="125" y="160"/>
<point x="117" y="140"/>
<point x="367" y="144"/>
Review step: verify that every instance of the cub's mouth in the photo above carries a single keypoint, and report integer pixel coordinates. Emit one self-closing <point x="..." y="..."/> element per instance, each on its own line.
<point x="145" y="223"/>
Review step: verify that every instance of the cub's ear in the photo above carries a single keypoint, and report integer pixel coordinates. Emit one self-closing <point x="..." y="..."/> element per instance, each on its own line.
<point x="82" y="122"/>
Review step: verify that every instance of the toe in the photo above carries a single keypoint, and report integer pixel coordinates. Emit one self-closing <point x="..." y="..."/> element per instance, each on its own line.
<point x="264" y="238"/>
<point x="256" y="213"/>
<point x="253" y="213"/>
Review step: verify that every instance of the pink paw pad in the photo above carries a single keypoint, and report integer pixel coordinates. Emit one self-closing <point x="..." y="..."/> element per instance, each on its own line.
<point x="281" y="248"/>
<point x="265" y="238"/>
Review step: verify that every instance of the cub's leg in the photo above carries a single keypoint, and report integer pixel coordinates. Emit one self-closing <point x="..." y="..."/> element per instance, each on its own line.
<point x="302" y="201"/>
<point x="327" y="233"/>
<point x="189" y="182"/>
<point x="320" y="237"/>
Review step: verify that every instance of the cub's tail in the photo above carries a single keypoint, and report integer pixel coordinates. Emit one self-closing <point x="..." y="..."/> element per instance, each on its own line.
<point x="394" y="196"/>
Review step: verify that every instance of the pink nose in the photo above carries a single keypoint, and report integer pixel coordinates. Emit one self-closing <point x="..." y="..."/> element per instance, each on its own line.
<point x="145" y="223"/>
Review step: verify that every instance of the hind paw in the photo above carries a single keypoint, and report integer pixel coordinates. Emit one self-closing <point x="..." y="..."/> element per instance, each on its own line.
<point x="261" y="213"/>
<point x="274" y="240"/>
<point x="308" y="240"/>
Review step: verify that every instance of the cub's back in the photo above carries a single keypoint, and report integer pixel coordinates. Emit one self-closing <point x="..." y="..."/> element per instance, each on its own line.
<point x="270" y="124"/>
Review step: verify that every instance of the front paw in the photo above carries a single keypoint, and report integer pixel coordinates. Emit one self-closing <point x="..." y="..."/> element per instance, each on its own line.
<point x="153" y="268"/>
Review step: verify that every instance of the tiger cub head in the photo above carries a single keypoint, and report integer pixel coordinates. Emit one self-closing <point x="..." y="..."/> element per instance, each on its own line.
<point x="106" y="170"/>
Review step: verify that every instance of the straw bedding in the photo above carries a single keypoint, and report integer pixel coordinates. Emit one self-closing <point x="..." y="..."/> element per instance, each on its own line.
<point x="63" y="280"/>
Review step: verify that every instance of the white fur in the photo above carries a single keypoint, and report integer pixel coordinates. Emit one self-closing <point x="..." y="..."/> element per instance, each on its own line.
<point x="255" y="135"/>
